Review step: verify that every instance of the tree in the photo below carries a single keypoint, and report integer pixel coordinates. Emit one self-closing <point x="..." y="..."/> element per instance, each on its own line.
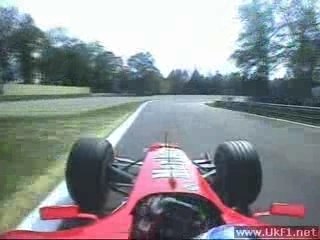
<point x="59" y="37"/>
<point x="253" y="55"/>
<point x="177" y="78"/>
<point x="55" y="57"/>
<point x="9" y="18"/>
<point x="215" y="83"/>
<point x="233" y="84"/>
<point x="20" y="45"/>
<point x="26" y="51"/>
<point x="196" y="84"/>
<point x="69" y="61"/>
<point x="26" y="43"/>
<point x="54" y="65"/>
<point x="106" y="70"/>
<point x="145" y="75"/>
<point x="125" y="80"/>
<point x="300" y="35"/>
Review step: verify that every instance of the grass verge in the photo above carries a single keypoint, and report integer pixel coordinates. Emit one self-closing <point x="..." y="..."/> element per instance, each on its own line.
<point x="33" y="152"/>
<point x="11" y="98"/>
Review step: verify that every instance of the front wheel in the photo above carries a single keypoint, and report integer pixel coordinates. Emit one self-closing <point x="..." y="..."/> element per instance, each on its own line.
<point x="88" y="173"/>
<point x="238" y="179"/>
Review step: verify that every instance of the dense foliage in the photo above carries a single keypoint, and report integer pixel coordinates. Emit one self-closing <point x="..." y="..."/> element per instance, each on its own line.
<point x="276" y="34"/>
<point x="280" y="34"/>
<point x="29" y="55"/>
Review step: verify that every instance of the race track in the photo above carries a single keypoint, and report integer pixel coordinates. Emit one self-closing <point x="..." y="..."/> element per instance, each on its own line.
<point x="289" y="152"/>
<point x="53" y="107"/>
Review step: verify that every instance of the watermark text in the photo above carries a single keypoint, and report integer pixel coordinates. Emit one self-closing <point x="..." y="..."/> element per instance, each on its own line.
<point x="277" y="232"/>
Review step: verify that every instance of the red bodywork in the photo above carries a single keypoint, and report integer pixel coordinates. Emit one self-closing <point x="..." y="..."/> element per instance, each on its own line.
<point x="118" y="224"/>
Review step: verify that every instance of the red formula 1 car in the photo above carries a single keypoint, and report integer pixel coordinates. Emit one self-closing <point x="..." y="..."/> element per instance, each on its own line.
<point x="167" y="194"/>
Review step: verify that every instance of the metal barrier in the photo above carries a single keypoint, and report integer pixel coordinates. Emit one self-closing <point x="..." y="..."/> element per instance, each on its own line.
<point x="291" y="112"/>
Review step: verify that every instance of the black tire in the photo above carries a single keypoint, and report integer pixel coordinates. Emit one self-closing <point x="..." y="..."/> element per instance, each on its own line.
<point x="238" y="179"/>
<point x="87" y="173"/>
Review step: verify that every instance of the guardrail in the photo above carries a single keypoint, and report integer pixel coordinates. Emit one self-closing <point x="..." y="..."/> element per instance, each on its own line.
<point x="303" y="114"/>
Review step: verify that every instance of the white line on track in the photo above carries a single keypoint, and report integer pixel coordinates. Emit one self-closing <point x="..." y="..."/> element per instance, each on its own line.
<point x="60" y="194"/>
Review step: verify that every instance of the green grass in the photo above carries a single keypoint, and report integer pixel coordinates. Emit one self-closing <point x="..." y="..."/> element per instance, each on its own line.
<point x="33" y="152"/>
<point x="10" y="98"/>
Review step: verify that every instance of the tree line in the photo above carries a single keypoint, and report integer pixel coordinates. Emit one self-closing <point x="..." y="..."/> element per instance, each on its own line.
<point x="29" y="54"/>
<point x="280" y="34"/>
<point x="276" y="34"/>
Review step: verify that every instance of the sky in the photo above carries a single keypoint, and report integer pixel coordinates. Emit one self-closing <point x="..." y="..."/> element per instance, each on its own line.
<point x="184" y="34"/>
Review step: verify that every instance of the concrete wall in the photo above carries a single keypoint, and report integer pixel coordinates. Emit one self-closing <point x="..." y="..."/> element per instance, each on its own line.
<point x="34" y="89"/>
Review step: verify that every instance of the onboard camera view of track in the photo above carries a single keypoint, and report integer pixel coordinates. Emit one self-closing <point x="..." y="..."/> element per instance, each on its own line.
<point x="289" y="152"/>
